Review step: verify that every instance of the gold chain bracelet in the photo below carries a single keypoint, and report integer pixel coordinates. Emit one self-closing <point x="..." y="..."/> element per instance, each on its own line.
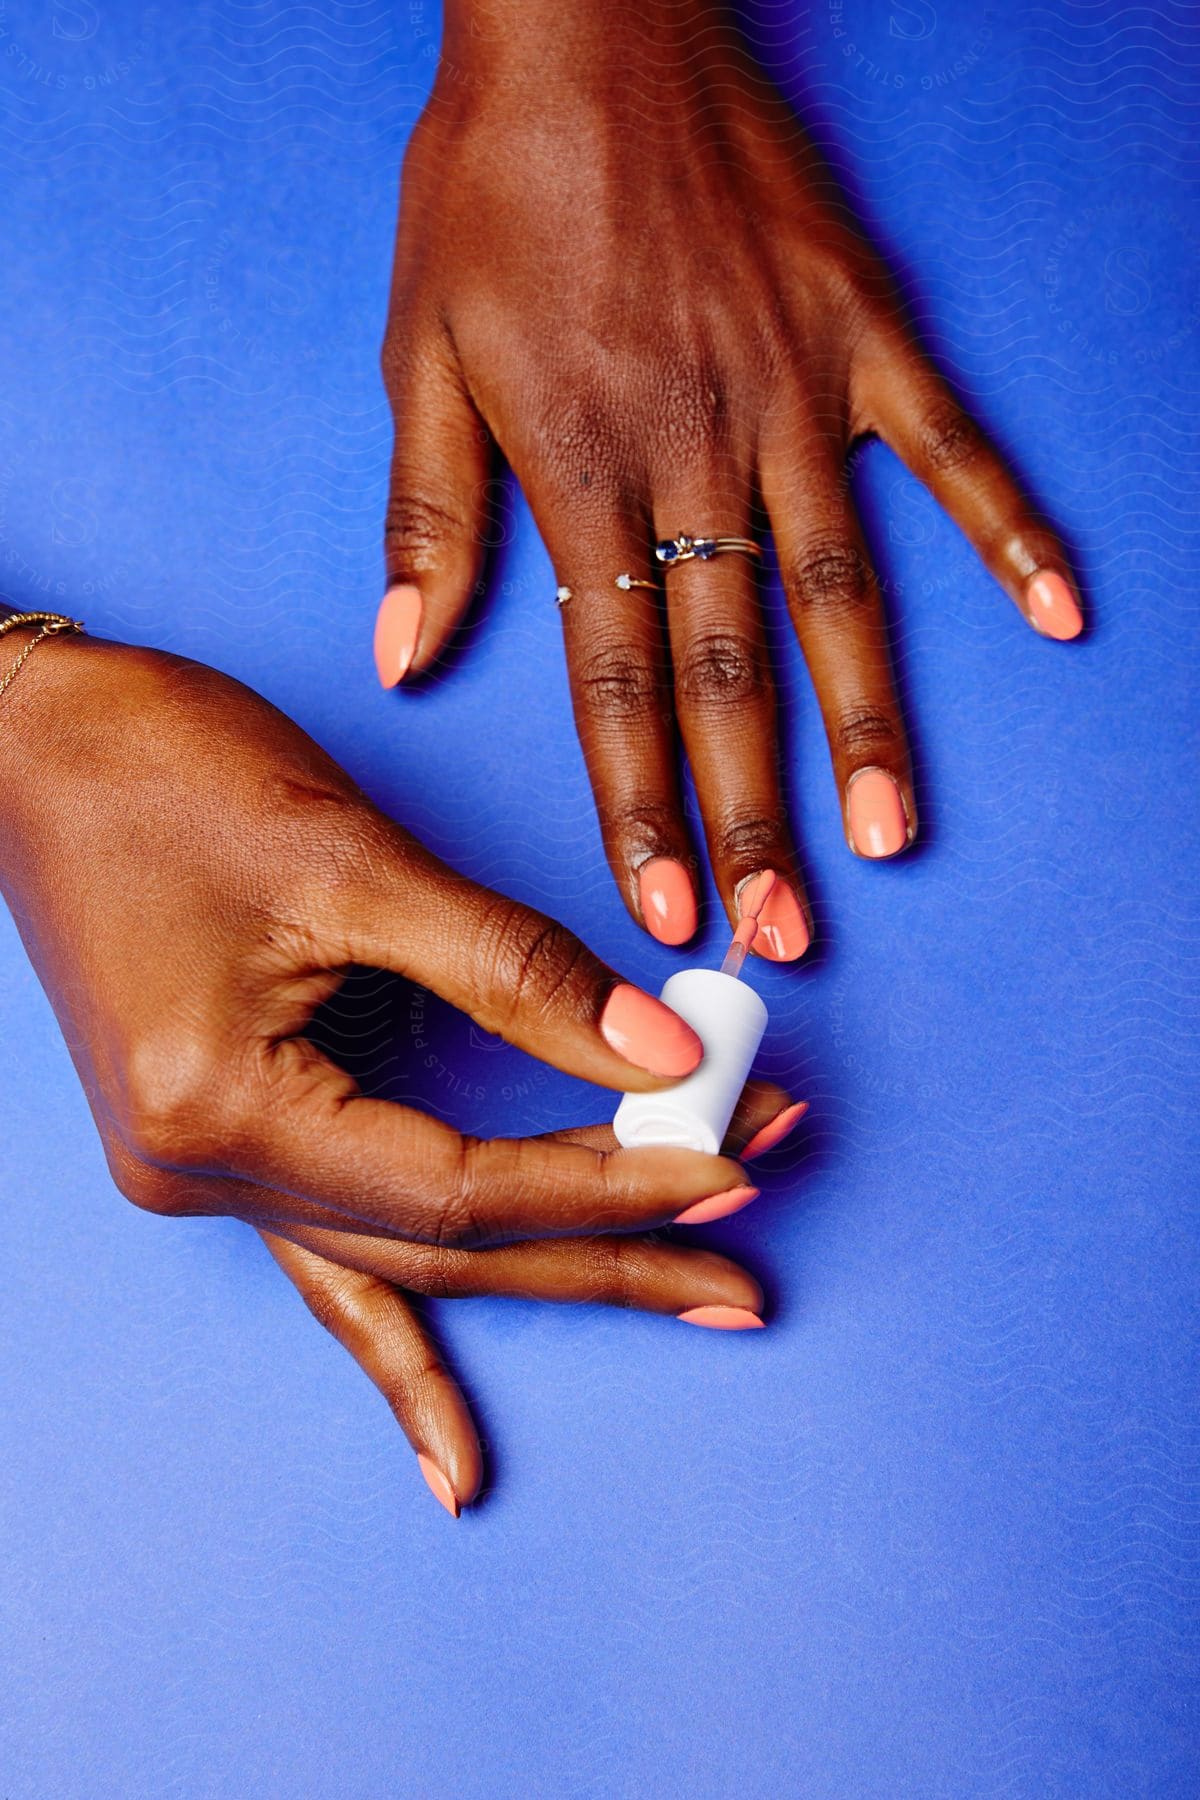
<point x="52" y="625"/>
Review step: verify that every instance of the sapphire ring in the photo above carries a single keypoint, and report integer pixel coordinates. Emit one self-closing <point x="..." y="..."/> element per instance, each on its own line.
<point x="683" y="548"/>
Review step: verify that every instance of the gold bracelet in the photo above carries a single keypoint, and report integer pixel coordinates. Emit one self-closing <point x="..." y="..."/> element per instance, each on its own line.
<point x="52" y="625"/>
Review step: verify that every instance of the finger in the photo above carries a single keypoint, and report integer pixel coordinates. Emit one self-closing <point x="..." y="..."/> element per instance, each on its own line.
<point x="383" y="1164"/>
<point x="382" y="1333"/>
<point x="439" y="500"/>
<point x="620" y="681"/>
<point x="764" y="1116"/>
<point x="634" y="1272"/>
<point x="899" y="396"/>
<point x="834" y="602"/>
<point x="519" y="974"/>
<point x="765" y="1113"/>
<point x="725" y="703"/>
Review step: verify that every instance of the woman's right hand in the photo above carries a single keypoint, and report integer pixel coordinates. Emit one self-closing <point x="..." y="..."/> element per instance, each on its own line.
<point x="192" y="878"/>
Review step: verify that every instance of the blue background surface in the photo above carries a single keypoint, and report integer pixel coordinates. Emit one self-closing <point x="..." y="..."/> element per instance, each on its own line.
<point x="934" y="1531"/>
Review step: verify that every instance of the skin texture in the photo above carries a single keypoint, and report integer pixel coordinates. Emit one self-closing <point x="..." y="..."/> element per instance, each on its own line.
<point x="192" y="877"/>
<point x="621" y="266"/>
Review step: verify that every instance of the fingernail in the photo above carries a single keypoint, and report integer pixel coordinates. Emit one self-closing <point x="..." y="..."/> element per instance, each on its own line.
<point x="775" y="1130"/>
<point x="668" y="903"/>
<point x="878" y="826"/>
<point x="722" y="1318"/>
<point x="439" y="1486"/>
<point x="717" y="1206"/>
<point x="783" y="932"/>
<point x="644" y="1031"/>
<point x="397" y="625"/>
<point x="1052" y="605"/>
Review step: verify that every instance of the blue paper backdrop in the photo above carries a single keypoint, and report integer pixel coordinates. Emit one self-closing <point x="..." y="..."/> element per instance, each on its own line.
<point x="932" y="1533"/>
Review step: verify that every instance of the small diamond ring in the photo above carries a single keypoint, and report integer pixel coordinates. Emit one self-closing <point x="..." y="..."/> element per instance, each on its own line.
<point x="684" y="548"/>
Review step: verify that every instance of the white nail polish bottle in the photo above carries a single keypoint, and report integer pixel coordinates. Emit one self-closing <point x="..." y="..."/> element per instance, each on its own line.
<point x="729" y="1018"/>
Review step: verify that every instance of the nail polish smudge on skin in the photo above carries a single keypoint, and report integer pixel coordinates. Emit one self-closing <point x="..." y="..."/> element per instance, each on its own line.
<point x="1051" y="607"/>
<point x="775" y="1130"/>
<point x="648" y="1034"/>
<point x="717" y="1206"/>
<point x="722" y="1318"/>
<point x="397" y="628"/>
<point x="878" y="823"/>
<point x="667" y="900"/>
<point x="439" y="1487"/>
<point x="783" y="933"/>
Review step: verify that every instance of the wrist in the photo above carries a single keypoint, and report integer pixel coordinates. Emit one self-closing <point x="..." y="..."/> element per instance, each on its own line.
<point x="36" y="710"/>
<point x="580" y="41"/>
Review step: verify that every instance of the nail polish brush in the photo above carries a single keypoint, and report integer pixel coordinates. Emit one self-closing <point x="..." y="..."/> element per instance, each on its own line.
<point x="729" y="1018"/>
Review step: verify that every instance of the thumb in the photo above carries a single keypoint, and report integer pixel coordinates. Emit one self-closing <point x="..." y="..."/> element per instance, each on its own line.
<point x="519" y="974"/>
<point x="439" y="503"/>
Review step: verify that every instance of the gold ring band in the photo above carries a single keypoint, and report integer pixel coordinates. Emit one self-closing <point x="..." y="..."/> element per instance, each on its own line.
<point x="686" y="549"/>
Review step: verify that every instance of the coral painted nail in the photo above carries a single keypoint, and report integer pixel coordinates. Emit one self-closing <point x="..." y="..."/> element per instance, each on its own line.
<point x="776" y="1129"/>
<point x="397" y="627"/>
<point x="722" y="1318"/>
<point x="438" y="1484"/>
<point x="668" y="903"/>
<point x="644" y="1031"/>
<point x="783" y="932"/>
<point x="878" y="826"/>
<point x="717" y="1206"/>
<point x="1052" y="606"/>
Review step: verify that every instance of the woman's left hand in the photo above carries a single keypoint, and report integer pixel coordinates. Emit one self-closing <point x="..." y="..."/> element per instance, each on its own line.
<point x="377" y="1322"/>
<point x="621" y="262"/>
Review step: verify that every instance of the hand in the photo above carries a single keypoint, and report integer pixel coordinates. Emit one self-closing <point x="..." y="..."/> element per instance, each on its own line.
<point x="372" y="1318"/>
<point x="192" y="877"/>
<point x="620" y="261"/>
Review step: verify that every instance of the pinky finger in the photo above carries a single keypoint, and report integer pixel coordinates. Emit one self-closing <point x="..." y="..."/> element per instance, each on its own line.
<point x="377" y="1325"/>
<point x="898" y="395"/>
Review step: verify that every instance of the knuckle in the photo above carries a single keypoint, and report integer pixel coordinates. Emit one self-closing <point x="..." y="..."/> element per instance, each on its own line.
<point x="640" y="825"/>
<point x="948" y="438"/>
<point x="608" y="1270"/>
<point x="865" y="733"/>
<point x="430" y="1270"/>
<point x="340" y="853"/>
<point x="583" y="446"/>
<point x="829" y="575"/>
<point x="722" y="668"/>
<point x="617" y="681"/>
<point x="748" y="843"/>
<point x="523" y="960"/>
<point x="149" y="1189"/>
<point x="693" y="406"/>
<point x="457" y="1220"/>
<point x="339" y="1302"/>
<point x="417" y="526"/>
<point x="172" y="1104"/>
